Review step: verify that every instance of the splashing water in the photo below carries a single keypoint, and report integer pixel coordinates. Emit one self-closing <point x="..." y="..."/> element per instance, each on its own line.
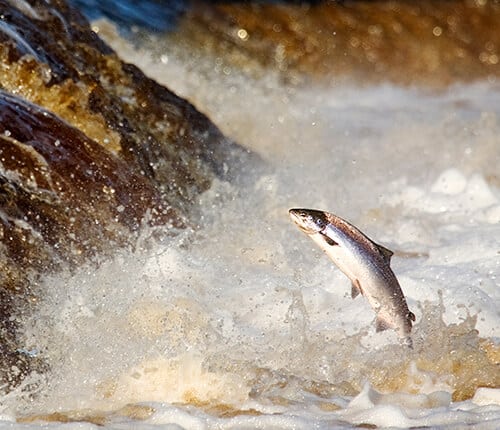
<point x="244" y="323"/>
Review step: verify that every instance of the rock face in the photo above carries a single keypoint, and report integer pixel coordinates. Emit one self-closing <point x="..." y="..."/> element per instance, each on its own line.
<point x="88" y="147"/>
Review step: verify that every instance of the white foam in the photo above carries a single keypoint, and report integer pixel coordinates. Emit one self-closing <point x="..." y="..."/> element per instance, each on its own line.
<point x="451" y="182"/>
<point x="487" y="396"/>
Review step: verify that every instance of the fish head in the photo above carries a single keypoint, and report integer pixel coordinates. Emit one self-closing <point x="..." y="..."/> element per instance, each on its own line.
<point x="310" y="221"/>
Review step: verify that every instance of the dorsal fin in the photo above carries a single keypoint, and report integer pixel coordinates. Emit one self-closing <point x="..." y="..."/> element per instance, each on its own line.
<point x="386" y="253"/>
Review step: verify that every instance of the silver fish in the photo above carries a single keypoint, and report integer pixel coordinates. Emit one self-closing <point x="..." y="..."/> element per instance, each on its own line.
<point x="364" y="262"/>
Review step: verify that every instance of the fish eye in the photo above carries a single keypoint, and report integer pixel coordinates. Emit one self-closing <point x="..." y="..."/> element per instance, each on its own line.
<point x="320" y="223"/>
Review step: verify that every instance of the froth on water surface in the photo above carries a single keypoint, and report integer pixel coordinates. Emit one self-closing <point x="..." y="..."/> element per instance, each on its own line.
<point x="237" y="321"/>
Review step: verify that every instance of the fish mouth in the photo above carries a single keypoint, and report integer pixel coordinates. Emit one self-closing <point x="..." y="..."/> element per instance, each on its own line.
<point x="296" y="214"/>
<point x="302" y="218"/>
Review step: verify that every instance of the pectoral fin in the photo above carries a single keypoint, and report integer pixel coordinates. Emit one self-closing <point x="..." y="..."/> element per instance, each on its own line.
<point x="328" y="239"/>
<point x="381" y="324"/>
<point x="356" y="289"/>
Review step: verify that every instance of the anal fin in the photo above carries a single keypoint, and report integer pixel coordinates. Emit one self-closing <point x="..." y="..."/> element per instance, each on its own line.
<point x="381" y="324"/>
<point x="356" y="289"/>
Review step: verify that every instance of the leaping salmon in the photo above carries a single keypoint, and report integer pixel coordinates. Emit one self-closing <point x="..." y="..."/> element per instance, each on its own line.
<point x="365" y="263"/>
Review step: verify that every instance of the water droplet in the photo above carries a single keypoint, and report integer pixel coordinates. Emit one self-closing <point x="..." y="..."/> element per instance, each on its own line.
<point x="243" y="34"/>
<point x="437" y="31"/>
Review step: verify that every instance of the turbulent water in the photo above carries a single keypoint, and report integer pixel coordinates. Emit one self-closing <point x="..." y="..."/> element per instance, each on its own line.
<point x="241" y="322"/>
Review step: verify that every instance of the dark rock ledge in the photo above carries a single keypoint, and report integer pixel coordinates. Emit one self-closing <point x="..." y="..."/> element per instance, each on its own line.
<point x="88" y="147"/>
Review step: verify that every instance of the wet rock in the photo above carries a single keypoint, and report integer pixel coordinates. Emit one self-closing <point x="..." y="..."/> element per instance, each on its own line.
<point x="406" y="42"/>
<point x="89" y="148"/>
<point x="75" y="75"/>
<point x="156" y="15"/>
<point x="59" y="183"/>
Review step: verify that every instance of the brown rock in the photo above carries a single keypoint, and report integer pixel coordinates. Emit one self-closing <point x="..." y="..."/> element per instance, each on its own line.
<point x="88" y="147"/>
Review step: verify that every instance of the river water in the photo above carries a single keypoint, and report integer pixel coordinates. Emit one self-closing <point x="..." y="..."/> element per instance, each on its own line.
<point x="241" y="322"/>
